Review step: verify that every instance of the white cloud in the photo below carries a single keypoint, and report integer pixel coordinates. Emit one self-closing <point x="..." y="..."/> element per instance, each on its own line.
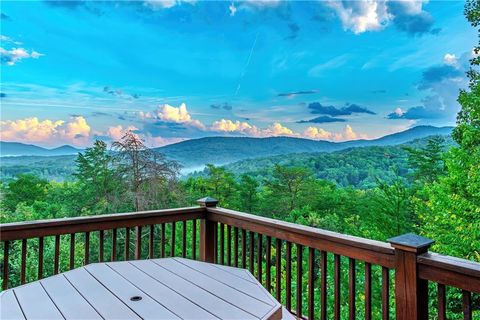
<point x="361" y="16"/>
<point x="14" y="55"/>
<point x="224" y="125"/>
<point x="75" y="131"/>
<point x="277" y="129"/>
<point x="169" y="113"/>
<point x="320" y="134"/>
<point x="373" y="15"/>
<point x="165" y="4"/>
<point x="117" y="132"/>
<point x="232" y="9"/>
<point x="317" y="134"/>
<point x="450" y="59"/>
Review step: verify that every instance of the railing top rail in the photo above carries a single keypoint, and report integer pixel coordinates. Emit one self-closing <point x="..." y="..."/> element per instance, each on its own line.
<point x="37" y="228"/>
<point x="459" y="265"/>
<point x="363" y="249"/>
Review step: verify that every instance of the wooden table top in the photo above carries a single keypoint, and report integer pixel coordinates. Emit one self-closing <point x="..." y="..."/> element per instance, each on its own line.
<point x="170" y="288"/>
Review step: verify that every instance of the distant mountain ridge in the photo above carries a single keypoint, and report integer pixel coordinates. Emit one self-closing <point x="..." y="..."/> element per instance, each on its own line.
<point x="21" y="149"/>
<point x="224" y="150"/>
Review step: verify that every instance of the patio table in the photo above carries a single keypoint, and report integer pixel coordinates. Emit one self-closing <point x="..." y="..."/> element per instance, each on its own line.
<point x="170" y="288"/>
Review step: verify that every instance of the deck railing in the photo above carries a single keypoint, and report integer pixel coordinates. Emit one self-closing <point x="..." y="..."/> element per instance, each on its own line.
<point x="315" y="273"/>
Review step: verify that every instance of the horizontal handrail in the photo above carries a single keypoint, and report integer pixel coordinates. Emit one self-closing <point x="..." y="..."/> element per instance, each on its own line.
<point x="456" y="272"/>
<point x="371" y="251"/>
<point x="51" y="227"/>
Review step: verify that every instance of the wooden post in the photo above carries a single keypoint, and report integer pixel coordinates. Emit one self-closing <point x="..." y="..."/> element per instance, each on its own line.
<point x="411" y="292"/>
<point x="207" y="232"/>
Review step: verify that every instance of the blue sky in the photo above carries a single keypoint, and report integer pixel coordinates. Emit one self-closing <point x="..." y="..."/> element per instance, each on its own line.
<point x="74" y="71"/>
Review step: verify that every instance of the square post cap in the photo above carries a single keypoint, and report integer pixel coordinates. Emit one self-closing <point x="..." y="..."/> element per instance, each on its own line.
<point x="411" y="242"/>
<point x="207" y="202"/>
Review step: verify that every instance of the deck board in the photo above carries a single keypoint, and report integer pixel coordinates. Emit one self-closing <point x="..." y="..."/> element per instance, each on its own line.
<point x="217" y="306"/>
<point x="146" y="308"/>
<point x="239" y="299"/>
<point x="67" y="299"/>
<point x="106" y="304"/>
<point x="169" y="288"/>
<point x="35" y="302"/>
<point x="13" y="311"/>
<point x="227" y="278"/>
<point x="170" y="299"/>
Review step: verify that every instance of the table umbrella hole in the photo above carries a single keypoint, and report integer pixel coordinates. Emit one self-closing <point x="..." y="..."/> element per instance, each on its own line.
<point x="136" y="298"/>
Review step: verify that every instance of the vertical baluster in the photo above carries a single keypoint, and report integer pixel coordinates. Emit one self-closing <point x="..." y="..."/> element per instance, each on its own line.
<point x="184" y="239"/>
<point x="173" y="233"/>
<point x="299" y="280"/>
<point x="40" y="258"/>
<point x="114" y="245"/>
<point x="259" y="257"/>
<point x="194" y="239"/>
<point x="441" y="302"/>
<point x="323" y="299"/>
<point x="215" y="243"/>
<point x="311" y="280"/>
<point x="288" y="277"/>
<point x="101" y="245"/>
<point x="24" y="261"/>
<point x="244" y="248"/>
<point x="127" y="243"/>
<point x="278" y="269"/>
<point x="385" y="294"/>
<point x="6" y="247"/>
<point x="138" y="243"/>
<point x="56" y="257"/>
<point x="368" y="291"/>
<point x="162" y="247"/>
<point x="250" y="249"/>
<point x="336" y="291"/>
<point x="229" y="245"/>
<point x="72" y="251"/>
<point x="222" y="243"/>
<point x="87" y="248"/>
<point x="235" y="247"/>
<point x="150" y="241"/>
<point x="351" y="288"/>
<point x="268" y="257"/>
<point x="467" y="305"/>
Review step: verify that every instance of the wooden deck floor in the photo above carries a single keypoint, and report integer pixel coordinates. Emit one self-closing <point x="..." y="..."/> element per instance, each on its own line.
<point x="172" y="288"/>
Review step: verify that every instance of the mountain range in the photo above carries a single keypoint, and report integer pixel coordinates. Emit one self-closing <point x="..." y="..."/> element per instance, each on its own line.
<point x="195" y="153"/>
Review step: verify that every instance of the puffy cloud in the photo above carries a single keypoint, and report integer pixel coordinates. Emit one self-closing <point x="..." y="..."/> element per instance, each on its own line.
<point x="168" y="113"/>
<point x="75" y="131"/>
<point x="224" y="125"/>
<point x="117" y="132"/>
<point x="361" y="16"/>
<point x="14" y="55"/>
<point x="317" y="134"/>
<point x="277" y="129"/>
<point x="371" y="15"/>
<point x="320" y="134"/>
<point x="349" y="109"/>
<point x="450" y="59"/>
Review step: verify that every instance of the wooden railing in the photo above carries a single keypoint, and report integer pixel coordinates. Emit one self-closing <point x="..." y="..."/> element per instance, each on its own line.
<point x="315" y="273"/>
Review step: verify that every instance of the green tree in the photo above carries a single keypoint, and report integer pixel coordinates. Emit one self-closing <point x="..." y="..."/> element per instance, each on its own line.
<point x="284" y="189"/>
<point x="428" y="161"/>
<point x="96" y="176"/>
<point x="248" y="193"/>
<point x="451" y="215"/>
<point x="26" y="188"/>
